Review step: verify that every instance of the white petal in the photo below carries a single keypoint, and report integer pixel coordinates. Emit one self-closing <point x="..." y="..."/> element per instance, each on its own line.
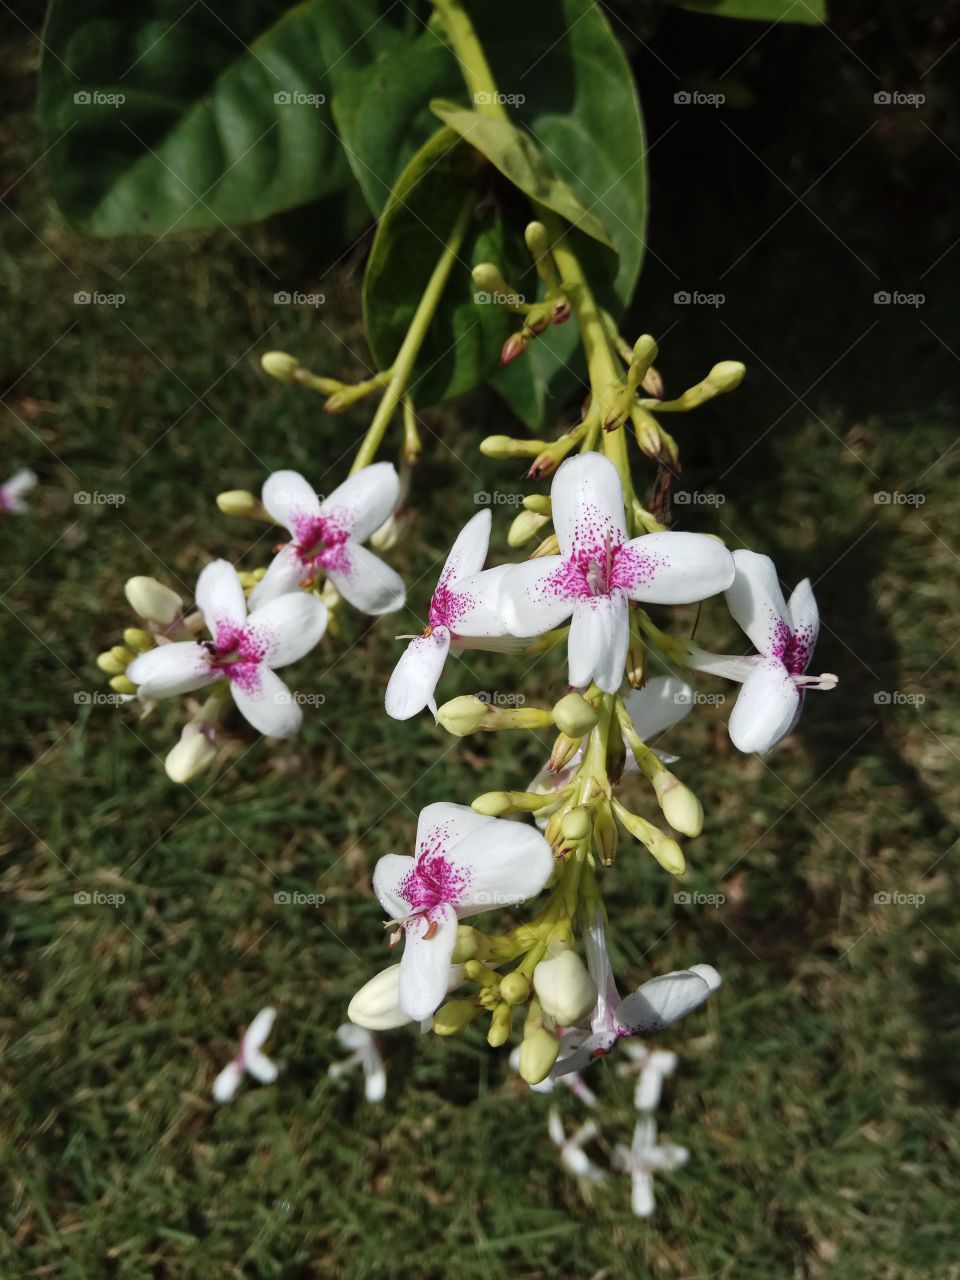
<point x="727" y="665"/>
<point x="534" y="597"/>
<point x="641" y="1193"/>
<point x="289" y="499"/>
<point x="599" y="638"/>
<point x="363" y="502"/>
<point x="668" y="1157"/>
<point x="284" y="574"/>
<point x="265" y="701"/>
<point x="469" y="552"/>
<point x="449" y="823"/>
<point x="673" y="568"/>
<point x="765" y="709"/>
<point x="353" y="1037"/>
<point x="170" y="669"/>
<point x="261" y="1068"/>
<point x="259" y="1030"/>
<point x="220" y="597"/>
<point x="805" y="622"/>
<point x="476" y="604"/>
<point x="375" y="1084"/>
<point x="506" y="863"/>
<point x="286" y="628"/>
<point x="376" y="1006"/>
<point x="414" y="679"/>
<point x="646" y="1096"/>
<point x="587" y="500"/>
<point x="225" y="1085"/>
<point x="363" y="579"/>
<point x="389" y="876"/>
<point x="757" y="603"/>
<point x="661" y="1001"/>
<point x="425" y="964"/>
<point x="555" y="1127"/>
<point x="659" y="705"/>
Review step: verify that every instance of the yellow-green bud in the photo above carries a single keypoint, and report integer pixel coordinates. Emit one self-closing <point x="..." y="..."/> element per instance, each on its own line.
<point x="726" y="376"/>
<point x="123" y="655"/>
<point x="565" y="990"/>
<point x="680" y="806"/>
<point x="538" y="1053"/>
<point x="574" y="716"/>
<point x="477" y="971"/>
<point x="237" y="502"/>
<point x="514" y="987"/>
<point x="605" y="833"/>
<point x="537" y="239"/>
<point x="120" y="684"/>
<point x="137" y="638"/>
<point x="467" y="944"/>
<point x="550" y="546"/>
<point x="108" y="663"/>
<point x="190" y="756"/>
<point x="524" y="527"/>
<point x="152" y="600"/>
<point x="666" y="851"/>
<point x="539" y="503"/>
<point x="564" y="749"/>
<point x="508" y="447"/>
<point x="575" y="823"/>
<point x="455" y="1016"/>
<point x="500" y="1025"/>
<point x="279" y="365"/>
<point x="492" y="803"/>
<point x="462" y="715"/>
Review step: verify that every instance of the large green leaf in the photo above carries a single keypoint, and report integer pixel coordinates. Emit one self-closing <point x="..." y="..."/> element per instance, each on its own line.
<point x="171" y="114"/>
<point x="810" y="12"/>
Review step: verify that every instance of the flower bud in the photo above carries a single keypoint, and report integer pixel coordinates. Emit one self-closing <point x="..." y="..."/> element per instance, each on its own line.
<point x="237" y="502"/>
<point x="575" y="823"/>
<point x="725" y="376"/>
<point x="508" y="447"/>
<point x="455" y="1016"/>
<point x="467" y="944"/>
<point x="108" y="663"/>
<point x="564" y="749"/>
<point x="565" y="990"/>
<point x="388" y="535"/>
<point x="514" y="988"/>
<point x="514" y="347"/>
<point x="122" y="655"/>
<point x="376" y="1005"/>
<point x="538" y="1053"/>
<point x="666" y="851"/>
<point x="524" y="527"/>
<point x="680" y="806"/>
<point x="653" y="384"/>
<point x="605" y="833"/>
<point x="120" y="684"/>
<point x="574" y="716"/>
<point x="136" y="638"/>
<point x="500" y="1025"/>
<point x="279" y="365"/>
<point x="462" y="715"/>
<point x="192" y="754"/>
<point x="561" y="311"/>
<point x="152" y="600"/>
<point x="538" y="502"/>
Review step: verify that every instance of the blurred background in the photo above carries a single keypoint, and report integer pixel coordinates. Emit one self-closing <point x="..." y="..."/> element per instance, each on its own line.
<point x="818" y="1092"/>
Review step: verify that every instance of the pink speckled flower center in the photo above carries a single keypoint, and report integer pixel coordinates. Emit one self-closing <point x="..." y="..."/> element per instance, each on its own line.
<point x="599" y="567"/>
<point x="317" y="538"/>
<point x="793" y="648"/>
<point x="238" y="653"/>
<point x="447" y="606"/>
<point x="434" y="881"/>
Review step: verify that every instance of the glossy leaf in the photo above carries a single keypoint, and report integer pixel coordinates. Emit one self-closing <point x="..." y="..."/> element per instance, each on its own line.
<point x="809" y="12"/>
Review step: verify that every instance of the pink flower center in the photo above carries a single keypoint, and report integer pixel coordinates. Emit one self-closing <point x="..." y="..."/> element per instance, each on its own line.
<point x="238" y="652"/>
<point x="319" y="540"/>
<point x="434" y="881"/>
<point x="447" y="606"/>
<point x="793" y="648"/>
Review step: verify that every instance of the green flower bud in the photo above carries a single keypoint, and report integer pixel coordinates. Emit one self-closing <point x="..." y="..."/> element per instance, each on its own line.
<point x="279" y="365"/>
<point x="576" y="824"/>
<point x="152" y="600"/>
<point x="455" y="1016"/>
<point x="136" y="638"/>
<point x="524" y="527"/>
<point x="190" y="756"/>
<point x="605" y="833"/>
<point x="680" y="806"/>
<point x="514" y="988"/>
<point x="237" y="502"/>
<point x="565" y="990"/>
<point x="538" y="1053"/>
<point x="463" y="715"/>
<point x="539" y="503"/>
<point x="120" y="684"/>
<point x="574" y="716"/>
<point x="108" y="663"/>
<point x="500" y="1025"/>
<point x="122" y="655"/>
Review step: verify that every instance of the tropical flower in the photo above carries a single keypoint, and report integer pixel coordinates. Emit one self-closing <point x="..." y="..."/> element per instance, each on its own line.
<point x="572" y="1155"/>
<point x="245" y="650"/>
<point x="465" y="863"/>
<point x="651" y="1007"/>
<point x="598" y="572"/>
<point x="774" y="679"/>
<point x="652" y="1067"/>
<point x="249" y="1059"/>
<point x="364" y="1054"/>
<point x="376" y="1006"/>
<point x="12" y="491"/>
<point x="326" y="537"/>
<point x="463" y="611"/>
<point x="642" y="1159"/>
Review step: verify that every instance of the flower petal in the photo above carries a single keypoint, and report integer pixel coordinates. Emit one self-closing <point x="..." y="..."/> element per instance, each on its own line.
<point x="261" y="1068"/>
<point x="364" y="580"/>
<point x="757" y="603"/>
<point x="598" y="642"/>
<point x="504" y="863"/>
<point x="674" y="568"/>
<point x="220" y="597"/>
<point x="727" y="665"/>
<point x="533" y="596"/>
<point x="470" y="549"/>
<point x="264" y="700"/>
<point x="170" y="669"/>
<point x="641" y="1193"/>
<point x="258" y="1032"/>
<point x="664" y="1000"/>
<point x="805" y="623"/>
<point x="659" y="705"/>
<point x="587" y="501"/>
<point x="285" y="629"/>
<point x="360" y="505"/>
<point x="414" y="679"/>
<point x="425" y="963"/>
<point x="446" y="823"/>
<point x="476" y="606"/>
<point x="388" y="876"/>
<point x="289" y="498"/>
<point x="225" y="1085"/>
<point x="766" y="707"/>
<point x="284" y="574"/>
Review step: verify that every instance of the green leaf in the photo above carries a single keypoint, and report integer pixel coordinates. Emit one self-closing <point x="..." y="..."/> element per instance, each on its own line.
<point x="170" y="115"/>
<point x="808" y="12"/>
<point x="522" y="162"/>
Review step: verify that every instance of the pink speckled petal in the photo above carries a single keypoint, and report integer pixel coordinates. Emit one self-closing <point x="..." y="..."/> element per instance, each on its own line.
<point x="533" y="597"/>
<point x="388" y="876"/>
<point x="674" y="568"/>
<point x="449" y="823"/>
<point x="757" y="603"/>
<point x="364" y="580"/>
<point x="659" y="705"/>
<point x="284" y="574"/>
<point x="363" y="502"/>
<point x="289" y="498"/>
<point x="170" y="669"/>
<point x="587" y="500"/>
<point x="805" y="620"/>
<point x="599" y="637"/>
<point x="470" y="549"/>
<point x="766" y="707"/>
<point x="477" y="608"/>
<point x="414" y="681"/>
<point x="265" y="701"/>
<point x="504" y="863"/>
<point x="425" y="963"/>
<point x="285" y="629"/>
<point x="220" y="597"/>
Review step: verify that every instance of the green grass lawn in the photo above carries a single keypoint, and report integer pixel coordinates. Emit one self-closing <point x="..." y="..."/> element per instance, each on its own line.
<point x="818" y="1092"/>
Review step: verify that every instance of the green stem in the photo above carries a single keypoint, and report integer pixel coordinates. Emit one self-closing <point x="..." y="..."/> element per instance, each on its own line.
<point x="413" y="340"/>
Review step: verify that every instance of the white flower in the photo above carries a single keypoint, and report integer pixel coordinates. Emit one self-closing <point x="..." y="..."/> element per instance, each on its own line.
<point x="244" y="650"/>
<point x="249" y="1059"/>
<point x="654" y="1004"/>
<point x="326" y="537"/>
<point x="785" y="635"/>
<point x="598" y="571"/>
<point x="464" y="610"/>
<point x="376" y="1006"/>
<point x="365" y="1054"/>
<point x="652" y="1067"/>
<point x="12" y="491"/>
<point x="642" y="1159"/>
<point x="572" y="1155"/>
<point x="465" y="863"/>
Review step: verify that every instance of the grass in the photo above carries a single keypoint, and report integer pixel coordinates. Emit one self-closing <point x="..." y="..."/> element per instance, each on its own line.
<point x="818" y="1093"/>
